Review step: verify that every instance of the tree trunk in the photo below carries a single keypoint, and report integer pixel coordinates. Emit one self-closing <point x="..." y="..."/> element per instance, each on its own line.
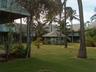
<point x="7" y="50"/>
<point x="82" y="50"/>
<point x="65" y="29"/>
<point x="72" y="32"/>
<point x="29" y="20"/>
<point x="20" y="40"/>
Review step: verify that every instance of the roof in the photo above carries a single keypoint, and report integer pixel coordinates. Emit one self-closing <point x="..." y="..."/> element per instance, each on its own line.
<point x="13" y="7"/>
<point x="54" y="34"/>
<point x="76" y="34"/>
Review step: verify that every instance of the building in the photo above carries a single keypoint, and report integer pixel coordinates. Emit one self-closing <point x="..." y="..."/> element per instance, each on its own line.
<point x="9" y="11"/>
<point x="75" y="36"/>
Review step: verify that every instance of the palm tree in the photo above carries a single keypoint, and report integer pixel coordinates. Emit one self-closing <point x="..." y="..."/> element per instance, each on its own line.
<point x="40" y="29"/>
<point x="82" y="50"/>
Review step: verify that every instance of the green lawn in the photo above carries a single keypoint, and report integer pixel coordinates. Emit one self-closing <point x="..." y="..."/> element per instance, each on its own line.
<point x="50" y="58"/>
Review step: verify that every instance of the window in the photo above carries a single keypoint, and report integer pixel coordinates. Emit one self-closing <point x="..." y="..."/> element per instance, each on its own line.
<point x="3" y="3"/>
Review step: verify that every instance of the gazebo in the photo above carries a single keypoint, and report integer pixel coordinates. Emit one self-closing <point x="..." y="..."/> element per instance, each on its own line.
<point x="54" y="37"/>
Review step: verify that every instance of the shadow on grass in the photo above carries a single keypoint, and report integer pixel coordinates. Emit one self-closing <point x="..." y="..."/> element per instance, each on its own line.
<point x="28" y="65"/>
<point x="37" y="65"/>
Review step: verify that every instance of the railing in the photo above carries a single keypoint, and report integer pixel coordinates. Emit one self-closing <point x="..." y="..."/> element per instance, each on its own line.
<point x="7" y="27"/>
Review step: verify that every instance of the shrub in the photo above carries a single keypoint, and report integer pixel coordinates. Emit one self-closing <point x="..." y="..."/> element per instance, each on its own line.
<point x="91" y="37"/>
<point x="19" y="51"/>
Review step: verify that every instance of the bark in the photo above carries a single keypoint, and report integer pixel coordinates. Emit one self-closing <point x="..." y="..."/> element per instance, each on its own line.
<point x="72" y="31"/>
<point x="82" y="50"/>
<point x="29" y="21"/>
<point x="20" y="41"/>
<point x="65" y="29"/>
<point x="7" y="50"/>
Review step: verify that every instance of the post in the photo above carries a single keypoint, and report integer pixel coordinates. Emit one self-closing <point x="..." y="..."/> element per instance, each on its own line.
<point x="20" y="41"/>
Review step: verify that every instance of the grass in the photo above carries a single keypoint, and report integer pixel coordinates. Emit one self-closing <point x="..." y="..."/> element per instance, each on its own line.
<point x="53" y="58"/>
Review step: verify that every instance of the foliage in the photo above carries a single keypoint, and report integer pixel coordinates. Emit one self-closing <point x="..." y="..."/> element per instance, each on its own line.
<point x="40" y="28"/>
<point x="35" y="7"/>
<point x="18" y="51"/>
<point x="93" y="17"/>
<point x="91" y="37"/>
<point x="38" y="42"/>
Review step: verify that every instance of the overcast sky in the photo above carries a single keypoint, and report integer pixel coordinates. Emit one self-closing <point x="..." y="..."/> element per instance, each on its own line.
<point x="88" y="8"/>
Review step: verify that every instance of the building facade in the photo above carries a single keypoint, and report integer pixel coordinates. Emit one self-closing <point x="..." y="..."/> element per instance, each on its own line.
<point x="9" y="11"/>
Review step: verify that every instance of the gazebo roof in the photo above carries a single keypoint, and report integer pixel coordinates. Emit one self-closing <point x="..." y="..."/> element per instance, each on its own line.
<point x="54" y="34"/>
<point x="75" y="34"/>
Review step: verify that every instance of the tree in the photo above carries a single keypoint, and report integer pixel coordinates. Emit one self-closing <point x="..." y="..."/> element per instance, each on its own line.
<point x="82" y="50"/>
<point x="40" y="29"/>
<point x="65" y="17"/>
<point x="62" y="10"/>
<point x="9" y="40"/>
<point x="91" y="37"/>
<point x="35" y="8"/>
<point x="20" y="29"/>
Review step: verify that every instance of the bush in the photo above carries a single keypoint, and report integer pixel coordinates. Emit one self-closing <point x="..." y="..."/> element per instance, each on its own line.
<point x="91" y="37"/>
<point x="38" y="42"/>
<point x="19" y="51"/>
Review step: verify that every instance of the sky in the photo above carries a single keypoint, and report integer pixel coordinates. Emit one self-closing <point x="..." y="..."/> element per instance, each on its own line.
<point x="88" y="8"/>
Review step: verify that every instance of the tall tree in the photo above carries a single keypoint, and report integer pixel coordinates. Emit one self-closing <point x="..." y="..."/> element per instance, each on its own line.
<point x="82" y="50"/>
<point x="65" y="29"/>
<point x="35" y="8"/>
